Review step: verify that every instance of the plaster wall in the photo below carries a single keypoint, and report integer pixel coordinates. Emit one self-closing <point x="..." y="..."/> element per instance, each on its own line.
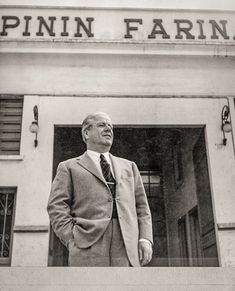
<point x="30" y="249"/>
<point x="74" y="74"/>
<point x="226" y="239"/>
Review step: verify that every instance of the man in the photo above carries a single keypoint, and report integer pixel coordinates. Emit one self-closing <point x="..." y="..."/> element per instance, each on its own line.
<point x="98" y="207"/>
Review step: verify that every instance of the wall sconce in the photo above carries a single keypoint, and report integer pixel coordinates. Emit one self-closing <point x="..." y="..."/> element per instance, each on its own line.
<point x="34" y="125"/>
<point x="225" y="124"/>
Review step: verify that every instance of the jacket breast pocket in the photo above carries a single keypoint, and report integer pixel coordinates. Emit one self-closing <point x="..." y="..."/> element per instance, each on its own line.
<point x="127" y="176"/>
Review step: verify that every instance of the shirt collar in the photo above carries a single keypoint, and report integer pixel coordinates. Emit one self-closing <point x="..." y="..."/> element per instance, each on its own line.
<point x="96" y="156"/>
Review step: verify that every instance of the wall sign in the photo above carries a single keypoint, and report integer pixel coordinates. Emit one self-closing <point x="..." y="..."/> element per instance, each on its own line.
<point x="117" y="25"/>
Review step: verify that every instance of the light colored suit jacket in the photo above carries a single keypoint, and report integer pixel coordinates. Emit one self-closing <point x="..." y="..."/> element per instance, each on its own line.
<point x="80" y="204"/>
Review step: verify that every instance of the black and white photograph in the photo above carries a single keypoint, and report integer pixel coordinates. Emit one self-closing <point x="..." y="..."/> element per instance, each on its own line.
<point x="117" y="145"/>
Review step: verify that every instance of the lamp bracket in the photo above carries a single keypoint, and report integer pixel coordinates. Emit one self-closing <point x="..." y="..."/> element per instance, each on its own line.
<point x="35" y="112"/>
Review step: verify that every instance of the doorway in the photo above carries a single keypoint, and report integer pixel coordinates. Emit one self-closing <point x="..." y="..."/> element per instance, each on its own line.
<point x="173" y="166"/>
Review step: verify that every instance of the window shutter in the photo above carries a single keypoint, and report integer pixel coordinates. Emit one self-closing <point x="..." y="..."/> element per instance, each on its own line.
<point x="11" y="109"/>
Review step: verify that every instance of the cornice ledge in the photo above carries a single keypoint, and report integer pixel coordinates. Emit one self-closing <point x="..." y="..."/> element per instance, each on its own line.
<point x="117" y="47"/>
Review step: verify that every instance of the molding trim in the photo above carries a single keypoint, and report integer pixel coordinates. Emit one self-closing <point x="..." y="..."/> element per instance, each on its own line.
<point x="31" y="228"/>
<point x="11" y="157"/>
<point x="226" y="226"/>
<point x="121" y="8"/>
<point x="61" y="46"/>
<point x="134" y="95"/>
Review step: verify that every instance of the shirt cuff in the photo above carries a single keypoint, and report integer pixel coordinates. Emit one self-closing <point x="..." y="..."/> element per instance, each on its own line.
<point x="145" y="240"/>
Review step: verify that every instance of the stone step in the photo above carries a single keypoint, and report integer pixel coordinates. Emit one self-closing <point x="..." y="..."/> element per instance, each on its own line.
<point x="116" y="279"/>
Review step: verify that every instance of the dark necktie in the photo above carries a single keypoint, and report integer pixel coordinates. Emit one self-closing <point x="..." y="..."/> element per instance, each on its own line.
<point x="105" y="167"/>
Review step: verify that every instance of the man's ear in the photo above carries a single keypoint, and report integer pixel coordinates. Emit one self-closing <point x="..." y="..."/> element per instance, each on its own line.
<point x="86" y="134"/>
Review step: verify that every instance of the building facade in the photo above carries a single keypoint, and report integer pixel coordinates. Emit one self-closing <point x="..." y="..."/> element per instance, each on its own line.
<point x="165" y="75"/>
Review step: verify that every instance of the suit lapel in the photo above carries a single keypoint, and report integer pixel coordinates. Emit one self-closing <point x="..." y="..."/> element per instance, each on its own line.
<point x="116" y="168"/>
<point x="86" y="162"/>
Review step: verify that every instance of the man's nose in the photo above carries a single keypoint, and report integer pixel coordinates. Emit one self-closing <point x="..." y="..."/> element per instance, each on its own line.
<point x="108" y="128"/>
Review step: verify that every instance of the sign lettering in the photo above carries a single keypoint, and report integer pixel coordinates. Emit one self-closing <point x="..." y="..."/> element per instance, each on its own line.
<point x="122" y="28"/>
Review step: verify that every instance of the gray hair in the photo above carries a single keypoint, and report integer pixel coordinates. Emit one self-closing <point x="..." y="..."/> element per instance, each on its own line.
<point x="88" y="122"/>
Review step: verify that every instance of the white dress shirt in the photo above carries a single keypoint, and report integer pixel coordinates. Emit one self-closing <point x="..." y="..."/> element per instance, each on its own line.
<point x="95" y="156"/>
<point x="96" y="159"/>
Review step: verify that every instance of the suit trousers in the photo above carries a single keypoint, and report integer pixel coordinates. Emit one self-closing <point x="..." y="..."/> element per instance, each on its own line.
<point x="109" y="250"/>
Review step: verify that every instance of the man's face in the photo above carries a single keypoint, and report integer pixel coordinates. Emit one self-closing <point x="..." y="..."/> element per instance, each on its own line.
<point x="100" y="134"/>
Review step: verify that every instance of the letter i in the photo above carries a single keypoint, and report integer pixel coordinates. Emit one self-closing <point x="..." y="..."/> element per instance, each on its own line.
<point x="65" y="19"/>
<point x="26" y="31"/>
<point x="201" y="36"/>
